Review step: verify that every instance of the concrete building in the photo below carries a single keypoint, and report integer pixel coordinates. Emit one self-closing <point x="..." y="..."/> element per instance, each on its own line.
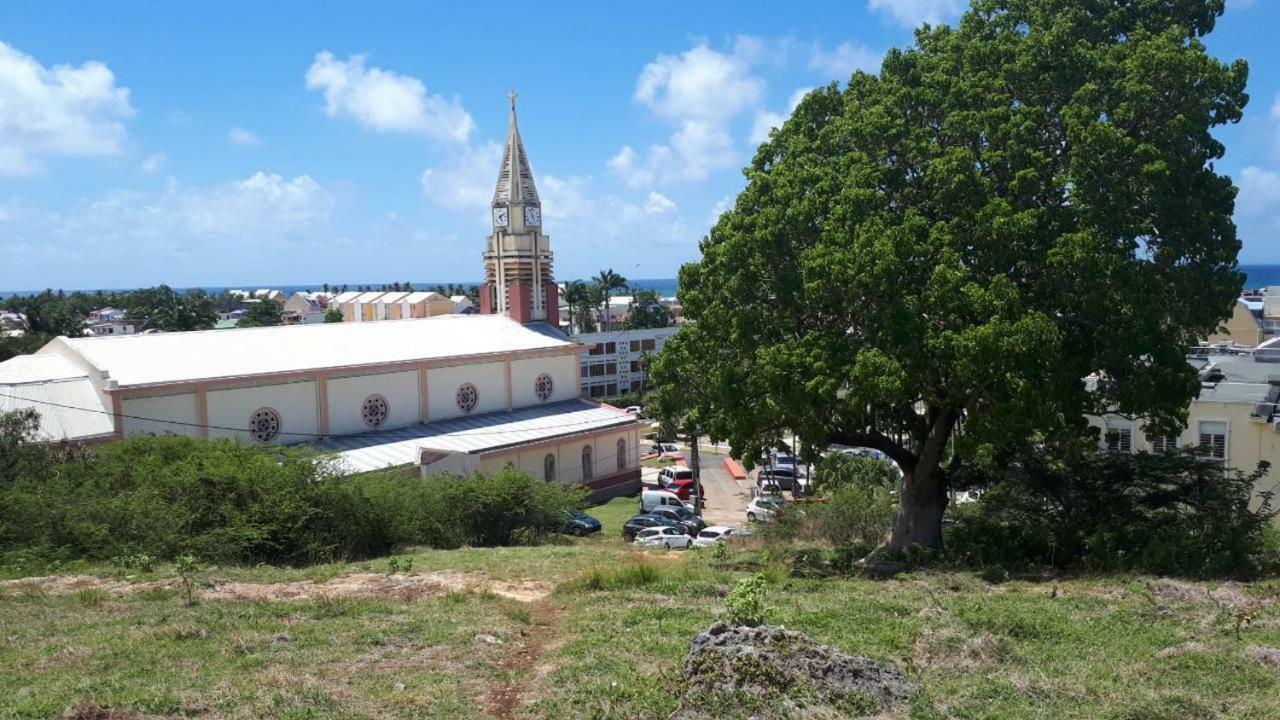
<point x="106" y="314"/>
<point x="306" y="307"/>
<point x="1235" y="419"/>
<point x="1245" y="327"/>
<point x="123" y="326"/>
<point x="462" y="304"/>
<point x="454" y="392"/>
<point x="614" y="362"/>
<point x="518" y="279"/>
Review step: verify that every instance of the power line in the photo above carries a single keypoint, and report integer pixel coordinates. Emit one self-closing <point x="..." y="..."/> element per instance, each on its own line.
<point x="180" y="423"/>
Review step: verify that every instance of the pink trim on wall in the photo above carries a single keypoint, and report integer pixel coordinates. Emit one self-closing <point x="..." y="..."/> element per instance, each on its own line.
<point x="424" y="404"/>
<point x="509" y="384"/>
<point x="202" y="411"/>
<point x="322" y="403"/>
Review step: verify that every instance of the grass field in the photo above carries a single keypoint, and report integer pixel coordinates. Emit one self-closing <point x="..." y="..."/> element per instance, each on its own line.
<point x="594" y="628"/>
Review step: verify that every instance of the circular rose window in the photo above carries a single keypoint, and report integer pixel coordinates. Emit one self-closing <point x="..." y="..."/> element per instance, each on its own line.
<point x="467" y="397"/>
<point x="374" y="411"/>
<point x="543" y="386"/>
<point x="264" y="425"/>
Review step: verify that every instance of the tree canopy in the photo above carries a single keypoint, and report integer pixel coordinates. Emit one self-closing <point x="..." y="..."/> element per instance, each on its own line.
<point x="1009" y="206"/>
<point x="263" y="313"/>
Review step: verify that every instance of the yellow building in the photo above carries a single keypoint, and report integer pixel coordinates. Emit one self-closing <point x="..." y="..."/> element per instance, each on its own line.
<point x="1243" y="328"/>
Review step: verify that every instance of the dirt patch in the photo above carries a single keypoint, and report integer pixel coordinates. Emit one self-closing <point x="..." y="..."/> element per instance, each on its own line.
<point x="357" y="585"/>
<point x="1231" y="594"/>
<point x="94" y="711"/>
<point x="1268" y="656"/>
<point x="522" y="663"/>
<point x="771" y="672"/>
<point x="1190" y="647"/>
<point x="946" y="647"/>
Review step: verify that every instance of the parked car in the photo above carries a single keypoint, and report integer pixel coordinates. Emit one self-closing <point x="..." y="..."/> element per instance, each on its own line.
<point x="634" y="410"/>
<point x="667" y="537"/>
<point x="763" y="508"/>
<point x="786" y="478"/>
<point x="681" y="517"/>
<point x="671" y="451"/>
<point x="781" y="459"/>
<point x="580" y="524"/>
<point x="718" y="533"/>
<point x="650" y="499"/>
<point x="640" y="522"/>
<point x="677" y="479"/>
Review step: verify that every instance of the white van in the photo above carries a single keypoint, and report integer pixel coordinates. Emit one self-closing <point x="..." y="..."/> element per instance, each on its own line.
<point x="650" y="499"/>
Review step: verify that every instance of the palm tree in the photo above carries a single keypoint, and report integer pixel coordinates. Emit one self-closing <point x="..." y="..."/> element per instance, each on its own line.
<point x="575" y="295"/>
<point x="608" y="280"/>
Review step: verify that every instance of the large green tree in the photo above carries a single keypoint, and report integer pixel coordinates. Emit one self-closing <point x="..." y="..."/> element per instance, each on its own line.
<point x="647" y="311"/>
<point x="957" y="242"/>
<point x="263" y="313"/>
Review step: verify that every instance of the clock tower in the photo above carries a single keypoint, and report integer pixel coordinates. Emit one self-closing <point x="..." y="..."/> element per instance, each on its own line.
<point x="517" y="260"/>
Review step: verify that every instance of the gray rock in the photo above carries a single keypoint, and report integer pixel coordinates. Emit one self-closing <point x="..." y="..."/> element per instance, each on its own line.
<point x="771" y="672"/>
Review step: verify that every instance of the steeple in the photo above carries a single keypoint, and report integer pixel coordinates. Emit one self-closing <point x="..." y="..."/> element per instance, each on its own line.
<point x="515" y="179"/>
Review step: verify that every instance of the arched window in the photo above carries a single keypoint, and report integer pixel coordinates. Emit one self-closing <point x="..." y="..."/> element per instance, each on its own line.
<point x="586" y="462"/>
<point x="549" y="467"/>
<point x="622" y="453"/>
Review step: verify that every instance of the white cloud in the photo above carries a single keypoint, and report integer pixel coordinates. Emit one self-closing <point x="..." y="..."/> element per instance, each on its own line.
<point x="699" y="92"/>
<point x="658" y="204"/>
<point x="466" y="180"/>
<point x="767" y="120"/>
<point x="910" y="13"/>
<point x="386" y="101"/>
<point x="240" y="136"/>
<point x="722" y="205"/>
<point x="153" y="162"/>
<point x="566" y="199"/>
<point x="63" y="110"/>
<point x="840" y="62"/>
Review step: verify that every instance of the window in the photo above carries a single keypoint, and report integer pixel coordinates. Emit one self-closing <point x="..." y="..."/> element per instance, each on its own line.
<point x="635" y="386"/>
<point x="596" y="391"/>
<point x="610" y="368"/>
<point x="543" y="387"/>
<point x="586" y="462"/>
<point x="1213" y="439"/>
<point x="549" y="467"/>
<point x="635" y="346"/>
<point x="635" y="366"/>
<point x="612" y="389"/>
<point x="596" y="350"/>
<point x="374" y="410"/>
<point x="1164" y="443"/>
<point x="467" y="398"/>
<point x="264" y="424"/>
<point x="647" y="344"/>
<point x="622" y="453"/>
<point x="611" y="348"/>
<point x="1119" y="437"/>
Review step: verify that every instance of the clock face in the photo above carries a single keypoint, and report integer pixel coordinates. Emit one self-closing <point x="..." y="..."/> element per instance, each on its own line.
<point x="533" y="216"/>
<point x="500" y="218"/>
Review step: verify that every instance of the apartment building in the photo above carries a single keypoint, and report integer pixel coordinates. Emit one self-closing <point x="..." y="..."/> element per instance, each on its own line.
<point x="615" y="362"/>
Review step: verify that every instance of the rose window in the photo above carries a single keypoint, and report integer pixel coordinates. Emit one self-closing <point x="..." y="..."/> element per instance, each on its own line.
<point x="374" y="411"/>
<point x="264" y="425"/>
<point x="543" y="386"/>
<point x="467" y="397"/>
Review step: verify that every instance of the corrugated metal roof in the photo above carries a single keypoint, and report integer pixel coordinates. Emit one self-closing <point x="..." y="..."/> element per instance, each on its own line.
<point x="37" y="368"/>
<point x="60" y="423"/>
<point x="473" y="434"/>
<point x="201" y="355"/>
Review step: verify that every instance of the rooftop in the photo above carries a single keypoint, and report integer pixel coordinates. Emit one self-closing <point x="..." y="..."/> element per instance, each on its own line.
<point x="133" y="360"/>
<point x="473" y="434"/>
<point x="48" y="384"/>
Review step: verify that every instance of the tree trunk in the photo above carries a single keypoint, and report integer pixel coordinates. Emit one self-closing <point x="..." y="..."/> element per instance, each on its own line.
<point x="923" y="497"/>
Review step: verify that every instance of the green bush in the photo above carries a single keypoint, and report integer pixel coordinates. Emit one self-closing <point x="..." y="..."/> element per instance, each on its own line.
<point x="746" y="602"/>
<point x="856" y="514"/>
<point x="1160" y="514"/>
<point x="227" y="502"/>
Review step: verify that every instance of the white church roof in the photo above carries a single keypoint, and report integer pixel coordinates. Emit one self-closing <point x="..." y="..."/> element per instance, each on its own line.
<point x="473" y="434"/>
<point x="49" y="384"/>
<point x="162" y="358"/>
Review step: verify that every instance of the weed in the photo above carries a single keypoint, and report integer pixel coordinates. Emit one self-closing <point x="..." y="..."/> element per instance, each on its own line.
<point x="188" y="570"/>
<point x="90" y="597"/>
<point x="746" y="602"/>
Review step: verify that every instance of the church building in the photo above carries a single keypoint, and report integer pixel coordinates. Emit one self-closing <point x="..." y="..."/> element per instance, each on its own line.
<point x="457" y="393"/>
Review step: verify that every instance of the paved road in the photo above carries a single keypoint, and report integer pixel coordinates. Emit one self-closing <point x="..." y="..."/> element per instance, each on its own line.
<point x="726" y="498"/>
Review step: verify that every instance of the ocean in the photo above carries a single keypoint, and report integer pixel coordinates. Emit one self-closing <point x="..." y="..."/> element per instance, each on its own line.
<point x="663" y="286"/>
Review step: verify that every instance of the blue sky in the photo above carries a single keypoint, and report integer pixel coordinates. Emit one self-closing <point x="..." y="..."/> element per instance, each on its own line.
<point x="293" y="143"/>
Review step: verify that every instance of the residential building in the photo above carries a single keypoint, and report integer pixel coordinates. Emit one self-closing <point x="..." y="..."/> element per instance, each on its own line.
<point x="615" y="362"/>
<point x="12" y="324"/>
<point x="106" y="314"/>
<point x="306" y="307"/>
<point x="1245" y="327"/>
<point x="462" y="304"/>
<point x="123" y="326"/>
<point x="1235" y="418"/>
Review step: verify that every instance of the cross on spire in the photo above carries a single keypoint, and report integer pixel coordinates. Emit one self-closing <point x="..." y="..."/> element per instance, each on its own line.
<point x="512" y="95"/>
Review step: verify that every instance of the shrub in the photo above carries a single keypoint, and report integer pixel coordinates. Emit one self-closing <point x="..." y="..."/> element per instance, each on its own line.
<point x="856" y="514"/>
<point x="1160" y="514"/>
<point x="221" y="501"/>
<point x="746" y="602"/>
<point x="835" y="471"/>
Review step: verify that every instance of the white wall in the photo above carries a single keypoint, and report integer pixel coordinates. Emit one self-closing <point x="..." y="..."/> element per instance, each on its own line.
<point x="490" y="380"/>
<point x="296" y="403"/>
<point x="347" y="395"/>
<point x="181" y="408"/>
<point x="562" y="369"/>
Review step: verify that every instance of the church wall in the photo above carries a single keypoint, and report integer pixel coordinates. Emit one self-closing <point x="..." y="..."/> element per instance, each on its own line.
<point x="490" y="380"/>
<point x="347" y="395"/>
<point x="180" y="408"/>
<point x="563" y="370"/>
<point x="295" y="402"/>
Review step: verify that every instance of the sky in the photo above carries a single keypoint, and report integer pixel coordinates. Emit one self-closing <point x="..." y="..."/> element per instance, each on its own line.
<point x="291" y="143"/>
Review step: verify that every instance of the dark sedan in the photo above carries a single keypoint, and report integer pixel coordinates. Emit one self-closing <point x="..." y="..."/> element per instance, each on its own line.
<point x="647" y="520"/>
<point x="580" y="524"/>
<point x="681" y="517"/>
